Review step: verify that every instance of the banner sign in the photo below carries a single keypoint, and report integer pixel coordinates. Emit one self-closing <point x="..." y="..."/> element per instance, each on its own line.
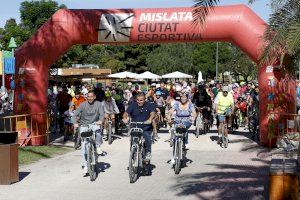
<point x="9" y="65"/>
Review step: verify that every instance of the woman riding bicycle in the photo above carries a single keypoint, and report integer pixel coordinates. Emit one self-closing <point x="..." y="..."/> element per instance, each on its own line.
<point x="111" y="110"/>
<point x="184" y="114"/>
<point x="161" y="106"/>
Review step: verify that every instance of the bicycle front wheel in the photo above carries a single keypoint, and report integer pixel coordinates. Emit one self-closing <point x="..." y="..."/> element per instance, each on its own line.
<point x="178" y="153"/>
<point x="198" y="121"/>
<point x="91" y="162"/>
<point x="109" y="134"/>
<point x="133" y="165"/>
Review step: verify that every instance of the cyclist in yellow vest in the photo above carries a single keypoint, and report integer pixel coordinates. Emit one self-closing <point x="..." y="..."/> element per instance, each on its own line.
<point x="224" y="105"/>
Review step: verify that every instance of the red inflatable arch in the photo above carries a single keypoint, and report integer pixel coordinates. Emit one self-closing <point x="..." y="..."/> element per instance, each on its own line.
<point x="236" y="24"/>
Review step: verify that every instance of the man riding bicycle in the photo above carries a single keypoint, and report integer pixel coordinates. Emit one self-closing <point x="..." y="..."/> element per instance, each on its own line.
<point x="110" y="111"/>
<point x="142" y="111"/>
<point x="90" y="113"/>
<point x="203" y="102"/>
<point x="224" y="105"/>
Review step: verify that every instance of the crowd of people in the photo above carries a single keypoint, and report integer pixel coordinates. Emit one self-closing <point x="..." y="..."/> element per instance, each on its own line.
<point x="6" y="101"/>
<point x="158" y="105"/>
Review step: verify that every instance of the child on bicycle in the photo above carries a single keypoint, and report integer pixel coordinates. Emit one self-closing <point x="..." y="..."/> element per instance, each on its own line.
<point x="68" y="122"/>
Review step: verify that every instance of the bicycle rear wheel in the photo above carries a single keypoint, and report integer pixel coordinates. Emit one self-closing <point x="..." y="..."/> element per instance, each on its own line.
<point x="91" y="162"/>
<point x="133" y="165"/>
<point x="178" y="150"/>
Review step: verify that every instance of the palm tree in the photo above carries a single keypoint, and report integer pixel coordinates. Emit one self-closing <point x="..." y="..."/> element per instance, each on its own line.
<point x="282" y="34"/>
<point x="202" y="8"/>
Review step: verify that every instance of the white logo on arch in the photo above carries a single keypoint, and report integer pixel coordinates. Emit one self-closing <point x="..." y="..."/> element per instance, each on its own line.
<point x="115" y="27"/>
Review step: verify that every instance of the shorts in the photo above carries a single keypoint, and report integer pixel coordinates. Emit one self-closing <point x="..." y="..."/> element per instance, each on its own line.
<point x="221" y="118"/>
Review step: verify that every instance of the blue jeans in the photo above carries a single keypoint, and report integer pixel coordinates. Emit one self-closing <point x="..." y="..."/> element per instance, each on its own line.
<point x="97" y="130"/>
<point x="148" y="141"/>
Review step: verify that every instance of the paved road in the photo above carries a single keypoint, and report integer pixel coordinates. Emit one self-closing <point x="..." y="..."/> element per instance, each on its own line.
<point x="238" y="172"/>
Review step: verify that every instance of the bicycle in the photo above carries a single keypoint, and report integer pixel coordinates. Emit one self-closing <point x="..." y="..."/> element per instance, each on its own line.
<point x="89" y="140"/>
<point x="77" y="139"/>
<point x="225" y="139"/>
<point x="253" y="123"/>
<point x="109" y="131"/>
<point x="179" y="150"/>
<point x="201" y="125"/>
<point x="137" y="156"/>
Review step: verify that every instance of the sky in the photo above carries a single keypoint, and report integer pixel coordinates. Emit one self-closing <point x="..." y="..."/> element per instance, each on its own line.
<point x="11" y="7"/>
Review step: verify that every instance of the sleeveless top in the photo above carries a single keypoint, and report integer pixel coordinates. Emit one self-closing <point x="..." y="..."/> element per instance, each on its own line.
<point x="159" y="102"/>
<point x="183" y="113"/>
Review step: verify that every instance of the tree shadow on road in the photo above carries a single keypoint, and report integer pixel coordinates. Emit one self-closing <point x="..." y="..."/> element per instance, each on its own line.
<point x="230" y="182"/>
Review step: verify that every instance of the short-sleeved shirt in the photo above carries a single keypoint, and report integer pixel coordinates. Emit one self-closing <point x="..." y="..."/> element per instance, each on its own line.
<point x="140" y="113"/>
<point x="223" y="102"/>
<point x="78" y="101"/>
<point x="164" y="92"/>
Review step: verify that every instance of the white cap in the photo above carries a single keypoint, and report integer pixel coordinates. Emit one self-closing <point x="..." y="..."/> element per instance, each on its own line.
<point x="225" y="88"/>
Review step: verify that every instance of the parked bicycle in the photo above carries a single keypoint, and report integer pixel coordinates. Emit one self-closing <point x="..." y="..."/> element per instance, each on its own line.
<point x="137" y="162"/>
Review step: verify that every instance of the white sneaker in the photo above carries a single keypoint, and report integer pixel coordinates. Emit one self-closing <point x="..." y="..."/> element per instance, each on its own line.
<point x="172" y="161"/>
<point x="84" y="170"/>
<point x="99" y="151"/>
<point x="187" y="147"/>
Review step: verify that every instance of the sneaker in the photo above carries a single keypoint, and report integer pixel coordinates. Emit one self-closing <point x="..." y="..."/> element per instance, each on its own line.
<point x="84" y="171"/>
<point x="148" y="156"/>
<point x="187" y="147"/>
<point x="173" y="161"/>
<point x="99" y="151"/>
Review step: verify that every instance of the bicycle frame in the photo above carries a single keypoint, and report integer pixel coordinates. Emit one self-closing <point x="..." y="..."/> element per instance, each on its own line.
<point x="179" y="152"/>
<point x="223" y="129"/>
<point x="88" y="141"/>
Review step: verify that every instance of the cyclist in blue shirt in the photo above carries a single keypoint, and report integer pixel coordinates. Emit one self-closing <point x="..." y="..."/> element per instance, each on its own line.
<point x="142" y="111"/>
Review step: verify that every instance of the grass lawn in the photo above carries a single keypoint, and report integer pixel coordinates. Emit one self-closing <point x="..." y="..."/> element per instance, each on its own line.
<point x="34" y="153"/>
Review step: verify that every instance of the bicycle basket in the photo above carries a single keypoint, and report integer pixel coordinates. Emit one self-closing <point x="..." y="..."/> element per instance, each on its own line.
<point x="181" y="130"/>
<point x="136" y="133"/>
<point x="86" y="134"/>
